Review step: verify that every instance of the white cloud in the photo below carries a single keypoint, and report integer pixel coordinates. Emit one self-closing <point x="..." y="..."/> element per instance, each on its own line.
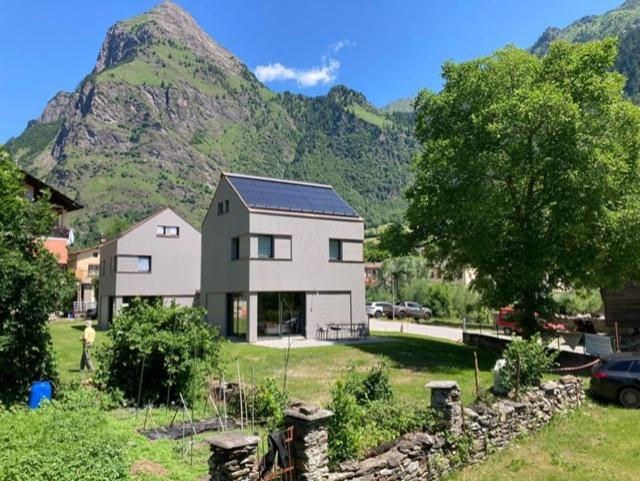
<point x="326" y="73"/>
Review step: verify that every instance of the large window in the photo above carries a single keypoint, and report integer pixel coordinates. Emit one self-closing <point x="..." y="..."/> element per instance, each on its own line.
<point x="265" y="246"/>
<point x="144" y="263"/>
<point x="281" y="313"/>
<point x="335" y="250"/>
<point x="235" y="248"/>
<point x="168" y="231"/>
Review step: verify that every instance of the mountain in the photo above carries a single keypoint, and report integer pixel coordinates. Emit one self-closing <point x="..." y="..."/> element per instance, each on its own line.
<point x="622" y="22"/>
<point x="400" y="105"/>
<point x="166" y="109"/>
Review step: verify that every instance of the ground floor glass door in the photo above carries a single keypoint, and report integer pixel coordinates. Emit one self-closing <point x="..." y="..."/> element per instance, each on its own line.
<point x="237" y="316"/>
<point x="281" y="313"/>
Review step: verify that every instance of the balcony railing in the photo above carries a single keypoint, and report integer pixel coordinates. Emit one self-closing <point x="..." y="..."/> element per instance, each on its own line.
<point x="60" y="231"/>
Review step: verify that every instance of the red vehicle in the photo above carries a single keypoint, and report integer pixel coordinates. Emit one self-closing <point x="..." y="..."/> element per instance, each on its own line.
<point x="509" y="324"/>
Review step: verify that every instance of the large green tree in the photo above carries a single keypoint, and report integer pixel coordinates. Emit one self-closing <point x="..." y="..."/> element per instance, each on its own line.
<point x="32" y="285"/>
<point x="529" y="173"/>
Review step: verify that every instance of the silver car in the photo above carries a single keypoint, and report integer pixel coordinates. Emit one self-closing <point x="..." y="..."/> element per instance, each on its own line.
<point x="412" y="309"/>
<point x="379" y="309"/>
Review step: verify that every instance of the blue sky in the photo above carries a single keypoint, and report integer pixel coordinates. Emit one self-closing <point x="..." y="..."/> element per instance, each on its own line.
<point x="385" y="49"/>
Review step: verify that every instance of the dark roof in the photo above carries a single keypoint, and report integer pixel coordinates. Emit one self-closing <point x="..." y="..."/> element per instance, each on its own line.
<point x="289" y="196"/>
<point x="57" y="197"/>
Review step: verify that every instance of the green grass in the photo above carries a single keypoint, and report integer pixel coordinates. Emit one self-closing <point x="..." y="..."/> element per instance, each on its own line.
<point x="598" y="443"/>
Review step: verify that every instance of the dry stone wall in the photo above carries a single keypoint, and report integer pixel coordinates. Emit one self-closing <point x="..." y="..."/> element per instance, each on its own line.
<point x="466" y="435"/>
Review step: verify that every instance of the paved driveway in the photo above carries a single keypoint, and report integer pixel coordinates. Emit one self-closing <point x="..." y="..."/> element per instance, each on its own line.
<point x="450" y="333"/>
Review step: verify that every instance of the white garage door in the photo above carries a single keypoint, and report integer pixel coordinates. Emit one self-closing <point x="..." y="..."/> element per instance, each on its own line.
<point x="331" y="307"/>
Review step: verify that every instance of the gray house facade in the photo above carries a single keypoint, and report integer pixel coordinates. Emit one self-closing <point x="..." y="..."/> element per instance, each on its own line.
<point x="280" y="258"/>
<point x="158" y="258"/>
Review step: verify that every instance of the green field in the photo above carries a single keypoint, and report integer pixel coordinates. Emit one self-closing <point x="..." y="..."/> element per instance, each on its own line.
<point x="600" y="442"/>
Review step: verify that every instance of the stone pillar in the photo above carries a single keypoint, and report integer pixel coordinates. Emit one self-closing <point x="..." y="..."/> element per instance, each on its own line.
<point x="445" y="400"/>
<point x="233" y="458"/>
<point x="310" y="441"/>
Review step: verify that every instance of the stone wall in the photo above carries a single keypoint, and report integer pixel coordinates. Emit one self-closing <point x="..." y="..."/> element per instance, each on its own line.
<point x="466" y="435"/>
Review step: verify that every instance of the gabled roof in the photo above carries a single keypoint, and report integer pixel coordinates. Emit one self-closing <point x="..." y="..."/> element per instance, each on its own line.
<point x="290" y="196"/>
<point x="57" y="197"/>
<point x="145" y="220"/>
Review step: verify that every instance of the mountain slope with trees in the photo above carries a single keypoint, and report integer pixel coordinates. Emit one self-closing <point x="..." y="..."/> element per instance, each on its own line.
<point x="166" y="109"/>
<point x="623" y="23"/>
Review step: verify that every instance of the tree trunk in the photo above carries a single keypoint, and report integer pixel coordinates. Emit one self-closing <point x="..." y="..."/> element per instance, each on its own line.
<point x="529" y="322"/>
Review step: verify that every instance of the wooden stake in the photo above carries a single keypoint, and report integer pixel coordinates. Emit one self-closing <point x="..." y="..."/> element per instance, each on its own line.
<point x="477" y="372"/>
<point x="517" y="378"/>
<point x="615" y="325"/>
<point x="253" y="400"/>
<point x="240" y="394"/>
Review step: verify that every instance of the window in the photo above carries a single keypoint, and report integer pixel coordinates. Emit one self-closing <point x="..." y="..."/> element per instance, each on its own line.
<point x="168" y="231"/>
<point x="265" y="246"/>
<point x="620" y="366"/>
<point x="114" y="264"/>
<point x="95" y="254"/>
<point x="226" y="206"/>
<point x="103" y="268"/>
<point x="144" y="263"/>
<point x="93" y="269"/>
<point x="220" y="208"/>
<point x="636" y="367"/>
<point x="335" y="250"/>
<point x="235" y="248"/>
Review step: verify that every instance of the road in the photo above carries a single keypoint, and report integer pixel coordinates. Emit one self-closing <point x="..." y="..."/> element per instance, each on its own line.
<point x="449" y="333"/>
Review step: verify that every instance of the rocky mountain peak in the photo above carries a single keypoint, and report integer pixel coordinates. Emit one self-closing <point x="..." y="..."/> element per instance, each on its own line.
<point x="165" y="22"/>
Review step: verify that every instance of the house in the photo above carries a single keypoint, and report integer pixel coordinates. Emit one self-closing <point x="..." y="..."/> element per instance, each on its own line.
<point x="280" y="258"/>
<point x="61" y="236"/>
<point x="372" y="273"/>
<point x="622" y="306"/>
<point x="85" y="265"/>
<point x="157" y="258"/>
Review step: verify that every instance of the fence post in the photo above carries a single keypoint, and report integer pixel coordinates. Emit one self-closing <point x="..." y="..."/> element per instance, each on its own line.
<point x="310" y="441"/>
<point x="446" y="400"/>
<point x="233" y="458"/>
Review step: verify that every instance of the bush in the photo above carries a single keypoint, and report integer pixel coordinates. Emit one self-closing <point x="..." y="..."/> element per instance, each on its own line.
<point x="366" y="415"/>
<point x="581" y="301"/>
<point x="178" y="349"/>
<point x="534" y="361"/>
<point x="270" y="403"/>
<point x="62" y="440"/>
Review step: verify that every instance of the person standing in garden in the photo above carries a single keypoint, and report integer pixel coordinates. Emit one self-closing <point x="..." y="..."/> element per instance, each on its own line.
<point x="88" y="338"/>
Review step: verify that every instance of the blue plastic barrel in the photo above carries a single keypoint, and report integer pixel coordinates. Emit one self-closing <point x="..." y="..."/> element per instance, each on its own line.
<point x="39" y="390"/>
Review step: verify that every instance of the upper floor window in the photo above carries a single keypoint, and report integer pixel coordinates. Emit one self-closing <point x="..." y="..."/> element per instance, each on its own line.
<point x="144" y="263"/>
<point x="220" y="208"/>
<point x="265" y="246"/>
<point x="95" y="254"/>
<point x="103" y="268"/>
<point x="167" y="231"/>
<point x="235" y="248"/>
<point x="114" y="264"/>
<point x="93" y="269"/>
<point x="335" y="250"/>
<point x="226" y="206"/>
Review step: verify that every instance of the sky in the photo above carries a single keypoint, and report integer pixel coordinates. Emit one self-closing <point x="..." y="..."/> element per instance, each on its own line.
<point x="385" y="49"/>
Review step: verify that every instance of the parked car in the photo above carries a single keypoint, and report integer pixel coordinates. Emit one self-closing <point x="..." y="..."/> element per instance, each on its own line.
<point x="379" y="309"/>
<point x="508" y="322"/>
<point x="617" y="377"/>
<point x="412" y="309"/>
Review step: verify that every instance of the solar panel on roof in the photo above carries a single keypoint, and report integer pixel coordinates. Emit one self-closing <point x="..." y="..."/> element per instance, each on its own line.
<point x="277" y="195"/>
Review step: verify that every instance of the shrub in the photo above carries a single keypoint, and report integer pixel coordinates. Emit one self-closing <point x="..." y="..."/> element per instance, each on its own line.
<point x="178" y="349"/>
<point x="366" y="415"/>
<point x="62" y="440"/>
<point x="581" y="301"/>
<point x="270" y="403"/>
<point x="534" y="361"/>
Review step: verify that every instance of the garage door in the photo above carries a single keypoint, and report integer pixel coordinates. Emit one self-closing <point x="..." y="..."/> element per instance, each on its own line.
<point x="331" y="307"/>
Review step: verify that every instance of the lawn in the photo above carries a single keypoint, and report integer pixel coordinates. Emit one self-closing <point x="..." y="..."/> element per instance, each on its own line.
<point x="601" y="442"/>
